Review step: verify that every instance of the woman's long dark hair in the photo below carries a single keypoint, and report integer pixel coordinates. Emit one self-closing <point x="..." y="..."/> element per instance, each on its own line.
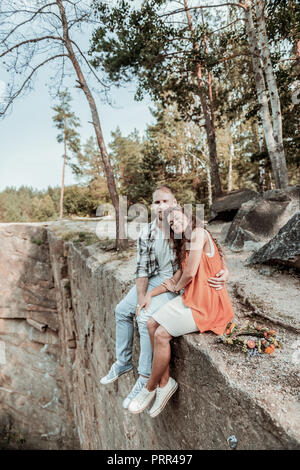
<point x="179" y="245"/>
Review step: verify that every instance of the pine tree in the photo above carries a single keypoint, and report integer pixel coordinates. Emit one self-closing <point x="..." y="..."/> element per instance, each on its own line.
<point x="66" y="122"/>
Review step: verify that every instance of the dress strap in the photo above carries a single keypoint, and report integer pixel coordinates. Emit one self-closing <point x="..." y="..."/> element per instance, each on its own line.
<point x="212" y="246"/>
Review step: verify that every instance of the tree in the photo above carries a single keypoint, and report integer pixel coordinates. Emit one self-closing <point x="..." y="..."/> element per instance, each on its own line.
<point x="165" y="57"/>
<point x="126" y="157"/>
<point x="88" y="163"/>
<point x="166" y="53"/>
<point x="37" y="34"/>
<point x="66" y="121"/>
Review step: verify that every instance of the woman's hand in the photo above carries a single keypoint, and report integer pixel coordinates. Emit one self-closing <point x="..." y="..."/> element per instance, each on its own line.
<point x="169" y="284"/>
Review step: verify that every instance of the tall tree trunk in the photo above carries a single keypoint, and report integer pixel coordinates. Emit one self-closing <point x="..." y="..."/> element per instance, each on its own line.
<point x="231" y="155"/>
<point x="273" y="92"/>
<point x="209" y="125"/>
<point x="270" y="179"/>
<point x="262" y="177"/>
<point x="63" y="173"/>
<point x="297" y="47"/>
<point x="121" y="240"/>
<point x="261" y="90"/>
<point x="209" y="82"/>
<point x="209" y="185"/>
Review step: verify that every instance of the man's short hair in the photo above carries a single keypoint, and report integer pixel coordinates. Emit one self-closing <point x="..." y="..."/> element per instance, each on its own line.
<point x="164" y="187"/>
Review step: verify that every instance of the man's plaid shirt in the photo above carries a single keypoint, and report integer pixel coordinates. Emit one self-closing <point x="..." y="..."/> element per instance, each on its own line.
<point x="146" y="263"/>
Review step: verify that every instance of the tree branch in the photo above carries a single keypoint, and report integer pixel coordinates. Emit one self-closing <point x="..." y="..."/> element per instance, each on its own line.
<point x="28" y="41"/>
<point x="30" y="19"/>
<point x="88" y="64"/>
<point x="17" y="93"/>
<point x="181" y="10"/>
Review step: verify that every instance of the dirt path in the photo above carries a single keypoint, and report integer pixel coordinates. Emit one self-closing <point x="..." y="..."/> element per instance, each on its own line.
<point x="274" y="294"/>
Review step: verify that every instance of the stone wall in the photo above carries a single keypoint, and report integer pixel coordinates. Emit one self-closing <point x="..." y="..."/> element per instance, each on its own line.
<point x="220" y="393"/>
<point x="34" y="408"/>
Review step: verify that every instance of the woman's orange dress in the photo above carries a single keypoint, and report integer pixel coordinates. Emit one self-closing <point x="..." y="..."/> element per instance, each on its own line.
<point x="212" y="309"/>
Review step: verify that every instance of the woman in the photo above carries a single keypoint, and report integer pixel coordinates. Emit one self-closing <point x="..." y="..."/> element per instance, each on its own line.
<point x="199" y="308"/>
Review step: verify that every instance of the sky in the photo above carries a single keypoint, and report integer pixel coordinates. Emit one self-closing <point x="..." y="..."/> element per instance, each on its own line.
<point x="29" y="152"/>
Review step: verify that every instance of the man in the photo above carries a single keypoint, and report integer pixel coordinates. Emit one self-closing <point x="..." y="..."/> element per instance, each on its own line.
<point x="155" y="263"/>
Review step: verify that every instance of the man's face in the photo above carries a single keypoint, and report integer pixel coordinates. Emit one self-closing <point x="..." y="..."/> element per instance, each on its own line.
<point x="161" y="201"/>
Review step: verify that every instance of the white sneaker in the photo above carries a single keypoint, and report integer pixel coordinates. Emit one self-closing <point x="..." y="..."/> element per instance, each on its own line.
<point x="114" y="373"/>
<point x="141" y="401"/>
<point x="162" y="397"/>
<point x="139" y="384"/>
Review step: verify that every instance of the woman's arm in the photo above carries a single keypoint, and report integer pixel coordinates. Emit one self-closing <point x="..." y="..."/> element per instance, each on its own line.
<point x="164" y="288"/>
<point x="196" y="249"/>
<point x="156" y="291"/>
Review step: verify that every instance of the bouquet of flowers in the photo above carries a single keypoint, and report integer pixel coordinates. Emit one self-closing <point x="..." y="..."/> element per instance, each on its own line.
<point x="262" y="340"/>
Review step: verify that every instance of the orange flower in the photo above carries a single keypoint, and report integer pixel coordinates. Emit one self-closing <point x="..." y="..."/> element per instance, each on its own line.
<point x="227" y="332"/>
<point x="266" y="334"/>
<point x="251" y="344"/>
<point x="272" y="332"/>
<point x="270" y="349"/>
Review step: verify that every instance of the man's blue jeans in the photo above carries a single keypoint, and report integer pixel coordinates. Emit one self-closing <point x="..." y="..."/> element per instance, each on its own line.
<point x="125" y="312"/>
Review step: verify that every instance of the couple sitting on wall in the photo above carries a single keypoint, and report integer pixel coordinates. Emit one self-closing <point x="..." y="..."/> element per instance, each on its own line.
<point x="180" y="289"/>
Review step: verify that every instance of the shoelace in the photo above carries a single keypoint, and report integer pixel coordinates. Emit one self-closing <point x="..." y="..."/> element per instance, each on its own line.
<point x="136" y="389"/>
<point x="158" y="392"/>
<point x="112" y="373"/>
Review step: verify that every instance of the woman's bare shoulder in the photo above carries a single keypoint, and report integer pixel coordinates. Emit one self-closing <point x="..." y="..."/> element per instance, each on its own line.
<point x="198" y="236"/>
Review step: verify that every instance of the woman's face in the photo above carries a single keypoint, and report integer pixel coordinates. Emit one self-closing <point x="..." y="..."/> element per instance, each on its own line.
<point x="178" y="221"/>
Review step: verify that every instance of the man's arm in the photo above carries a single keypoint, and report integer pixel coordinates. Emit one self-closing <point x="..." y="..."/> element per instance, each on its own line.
<point x="141" y="287"/>
<point x="141" y="273"/>
<point x="166" y="285"/>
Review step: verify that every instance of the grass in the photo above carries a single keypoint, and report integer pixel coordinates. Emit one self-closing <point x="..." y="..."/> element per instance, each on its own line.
<point x="37" y="242"/>
<point x="88" y="238"/>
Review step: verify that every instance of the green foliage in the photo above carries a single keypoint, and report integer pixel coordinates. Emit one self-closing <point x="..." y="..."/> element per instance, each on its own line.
<point x="28" y="205"/>
<point x="146" y="42"/>
<point x="126" y="157"/>
<point x="66" y="122"/>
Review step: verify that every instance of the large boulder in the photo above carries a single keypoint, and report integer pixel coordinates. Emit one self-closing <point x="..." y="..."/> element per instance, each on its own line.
<point x="260" y="219"/>
<point x="225" y="207"/>
<point x="284" y="248"/>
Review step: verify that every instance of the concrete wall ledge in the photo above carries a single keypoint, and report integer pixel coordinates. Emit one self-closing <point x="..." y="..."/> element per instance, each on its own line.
<point x="221" y="393"/>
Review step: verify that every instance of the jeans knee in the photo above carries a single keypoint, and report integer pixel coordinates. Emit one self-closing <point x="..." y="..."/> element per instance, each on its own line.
<point x="121" y="311"/>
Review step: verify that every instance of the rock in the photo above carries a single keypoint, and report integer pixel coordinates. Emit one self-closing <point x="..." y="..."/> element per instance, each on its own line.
<point x="49" y="381"/>
<point x="36" y="324"/>
<point x="226" y="206"/>
<point x="283" y="249"/>
<point x="205" y="373"/>
<point x="34" y="410"/>
<point x="224" y="231"/>
<point x="259" y="219"/>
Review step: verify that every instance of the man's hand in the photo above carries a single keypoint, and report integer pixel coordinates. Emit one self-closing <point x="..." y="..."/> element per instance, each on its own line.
<point x="140" y="303"/>
<point x="218" y="282"/>
<point x="144" y="303"/>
